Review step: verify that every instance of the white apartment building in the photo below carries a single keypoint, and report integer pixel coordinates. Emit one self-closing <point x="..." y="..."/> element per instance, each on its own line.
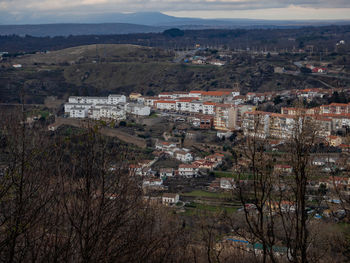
<point x="70" y="105"/>
<point x="116" y="99"/>
<point x="112" y="113"/>
<point x="111" y="107"/>
<point x="196" y="107"/>
<point x="165" y="105"/>
<point x="196" y="93"/>
<point x="111" y="99"/>
<point x="138" y="109"/>
<point x="78" y="112"/>
<point x="209" y="108"/>
<point x="88" y="100"/>
<point x="183" y="105"/>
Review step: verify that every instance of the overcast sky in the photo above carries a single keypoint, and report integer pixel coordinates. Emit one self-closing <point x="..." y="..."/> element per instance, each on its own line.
<point x="260" y="9"/>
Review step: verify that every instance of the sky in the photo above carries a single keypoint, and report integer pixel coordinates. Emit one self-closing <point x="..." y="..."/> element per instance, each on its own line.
<point x="257" y="9"/>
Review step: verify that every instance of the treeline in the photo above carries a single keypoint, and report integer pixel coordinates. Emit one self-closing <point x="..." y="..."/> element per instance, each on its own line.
<point x="321" y="37"/>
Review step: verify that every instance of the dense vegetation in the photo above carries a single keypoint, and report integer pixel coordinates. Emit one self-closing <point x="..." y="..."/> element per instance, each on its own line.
<point x="320" y="37"/>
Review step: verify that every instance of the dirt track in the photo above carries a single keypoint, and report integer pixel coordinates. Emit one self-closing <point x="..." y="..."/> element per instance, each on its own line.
<point x="123" y="136"/>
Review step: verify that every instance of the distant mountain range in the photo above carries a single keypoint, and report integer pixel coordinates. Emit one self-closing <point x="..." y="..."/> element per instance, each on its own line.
<point x="119" y="23"/>
<point x="76" y="29"/>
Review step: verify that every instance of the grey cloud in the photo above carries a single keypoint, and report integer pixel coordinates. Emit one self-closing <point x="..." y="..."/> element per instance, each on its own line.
<point x="162" y="5"/>
<point x="51" y="11"/>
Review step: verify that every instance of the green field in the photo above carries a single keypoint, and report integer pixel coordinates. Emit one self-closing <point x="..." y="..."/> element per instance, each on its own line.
<point x="200" y="193"/>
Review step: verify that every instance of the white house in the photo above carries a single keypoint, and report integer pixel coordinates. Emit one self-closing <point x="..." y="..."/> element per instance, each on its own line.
<point x="236" y="93"/>
<point x="187" y="170"/>
<point x="183" y="156"/>
<point x="169" y="198"/>
<point x="227" y="183"/>
<point x="165" y="146"/>
<point x="152" y="182"/>
<point x="166" y="172"/>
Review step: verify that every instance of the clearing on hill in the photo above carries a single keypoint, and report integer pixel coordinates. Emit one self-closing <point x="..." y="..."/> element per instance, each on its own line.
<point x="96" y="54"/>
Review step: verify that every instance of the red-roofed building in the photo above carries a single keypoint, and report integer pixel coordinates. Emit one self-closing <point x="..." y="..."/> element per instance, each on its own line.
<point x="319" y="70"/>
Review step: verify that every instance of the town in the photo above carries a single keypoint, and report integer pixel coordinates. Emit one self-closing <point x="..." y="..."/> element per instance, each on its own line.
<point x="202" y="151"/>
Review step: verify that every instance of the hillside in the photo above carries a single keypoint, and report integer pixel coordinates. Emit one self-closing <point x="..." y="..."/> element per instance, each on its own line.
<point x="103" y="69"/>
<point x="94" y="54"/>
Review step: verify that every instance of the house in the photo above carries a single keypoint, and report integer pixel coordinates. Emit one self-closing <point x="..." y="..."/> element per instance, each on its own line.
<point x="283" y="168"/>
<point x="319" y="70"/>
<point x="135" y="169"/>
<point x="187" y="170"/>
<point x="216" y="62"/>
<point x="165" y="146"/>
<point x="183" y="156"/>
<point x="224" y="135"/>
<point x="216" y="157"/>
<point x="134" y="96"/>
<point x="166" y="172"/>
<point x="52" y="127"/>
<point x="344" y="147"/>
<point x="334" y="140"/>
<point x="152" y="182"/>
<point x="227" y="183"/>
<point x="169" y="198"/>
<point x="321" y="161"/>
<point x="281" y="206"/>
<point x="205" y="164"/>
